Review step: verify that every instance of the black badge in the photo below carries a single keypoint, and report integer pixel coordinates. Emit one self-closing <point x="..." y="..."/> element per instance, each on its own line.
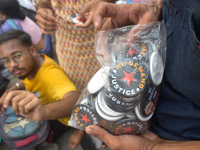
<point x="105" y="112"/>
<point x="127" y="78"/>
<point x="148" y="103"/>
<point x="119" y="104"/>
<point x="130" y="126"/>
<point x="134" y="51"/>
<point x="85" y="116"/>
<point x="101" y="100"/>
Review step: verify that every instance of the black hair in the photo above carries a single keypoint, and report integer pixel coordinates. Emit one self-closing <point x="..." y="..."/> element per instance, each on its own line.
<point x="11" y="8"/>
<point x="23" y="37"/>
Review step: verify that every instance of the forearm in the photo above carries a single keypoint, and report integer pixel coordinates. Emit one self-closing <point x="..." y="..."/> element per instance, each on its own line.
<point x="63" y="108"/>
<point x="177" y="145"/>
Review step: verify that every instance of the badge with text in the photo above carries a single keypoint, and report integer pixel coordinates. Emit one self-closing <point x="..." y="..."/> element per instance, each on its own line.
<point x="85" y="116"/>
<point x="130" y="126"/>
<point x="127" y="78"/>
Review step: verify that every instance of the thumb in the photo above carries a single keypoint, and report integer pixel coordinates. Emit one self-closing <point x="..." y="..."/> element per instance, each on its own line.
<point x="82" y="12"/>
<point x="101" y="134"/>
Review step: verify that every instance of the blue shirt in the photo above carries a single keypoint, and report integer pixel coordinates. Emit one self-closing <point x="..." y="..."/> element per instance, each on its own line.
<point x="177" y="115"/>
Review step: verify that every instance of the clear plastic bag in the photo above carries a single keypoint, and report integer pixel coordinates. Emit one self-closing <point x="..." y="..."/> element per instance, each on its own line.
<point x="122" y="96"/>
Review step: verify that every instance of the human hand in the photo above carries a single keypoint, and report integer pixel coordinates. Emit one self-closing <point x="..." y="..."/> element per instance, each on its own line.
<point x="146" y="141"/>
<point x="87" y="13"/>
<point x="24" y="103"/>
<point x="126" y="14"/>
<point x="2" y="99"/>
<point x="46" y="20"/>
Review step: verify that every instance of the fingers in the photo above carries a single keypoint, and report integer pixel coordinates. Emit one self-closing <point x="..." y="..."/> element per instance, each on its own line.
<point x="47" y="32"/>
<point x="102" y="135"/>
<point x="103" y="10"/>
<point x="29" y="103"/>
<point x="2" y="100"/>
<point x="87" y="23"/>
<point x="124" y="14"/>
<point x="22" y="102"/>
<point x="83" y="11"/>
<point x="46" y="20"/>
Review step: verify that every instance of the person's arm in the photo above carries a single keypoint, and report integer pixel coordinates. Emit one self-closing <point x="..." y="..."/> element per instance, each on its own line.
<point x="63" y="94"/>
<point x="45" y="16"/>
<point x="62" y="108"/>
<point x="28" y="105"/>
<point x="148" y="141"/>
<point x="87" y="12"/>
<point x="126" y="14"/>
<point x="17" y="86"/>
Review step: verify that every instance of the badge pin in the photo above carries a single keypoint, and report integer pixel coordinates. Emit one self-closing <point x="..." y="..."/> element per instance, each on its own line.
<point x="127" y="78"/>
<point x="85" y="116"/>
<point x="74" y="19"/>
<point x="130" y="126"/>
<point x="156" y="68"/>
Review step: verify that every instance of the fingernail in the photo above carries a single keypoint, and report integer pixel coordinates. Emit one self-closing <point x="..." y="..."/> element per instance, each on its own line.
<point x="96" y="24"/>
<point x="6" y="92"/>
<point x="89" y="130"/>
<point x="5" y="106"/>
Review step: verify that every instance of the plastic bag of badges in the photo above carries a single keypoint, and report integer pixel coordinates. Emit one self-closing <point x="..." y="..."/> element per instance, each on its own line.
<point x="122" y="95"/>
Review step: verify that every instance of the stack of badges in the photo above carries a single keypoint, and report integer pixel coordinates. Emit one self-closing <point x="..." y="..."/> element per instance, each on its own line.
<point x="122" y="98"/>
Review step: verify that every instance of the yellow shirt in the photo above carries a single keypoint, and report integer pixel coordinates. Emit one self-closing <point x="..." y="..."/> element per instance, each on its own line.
<point x="50" y="83"/>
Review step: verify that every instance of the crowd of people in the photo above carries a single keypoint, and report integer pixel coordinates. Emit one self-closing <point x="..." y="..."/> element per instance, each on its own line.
<point x="176" y="121"/>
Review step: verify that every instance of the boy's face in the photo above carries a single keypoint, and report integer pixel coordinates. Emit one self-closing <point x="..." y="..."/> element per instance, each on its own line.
<point x="17" y="58"/>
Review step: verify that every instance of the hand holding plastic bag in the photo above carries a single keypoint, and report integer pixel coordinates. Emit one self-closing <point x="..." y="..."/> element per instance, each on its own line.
<point x="122" y="96"/>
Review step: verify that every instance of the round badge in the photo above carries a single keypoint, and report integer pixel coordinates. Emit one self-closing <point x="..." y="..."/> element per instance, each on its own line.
<point x="76" y="21"/>
<point x="127" y="78"/>
<point x="130" y="126"/>
<point x="147" y="104"/>
<point x="135" y="51"/>
<point x="142" y="118"/>
<point x="131" y="115"/>
<point x="85" y="116"/>
<point x="118" y="104"/>
<point x="108" y="125"/>
<point x="156" y="68"/>
<point x="103" y="106"/>
<point x="105" y="116"/>
<point x="97" y="81"/>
